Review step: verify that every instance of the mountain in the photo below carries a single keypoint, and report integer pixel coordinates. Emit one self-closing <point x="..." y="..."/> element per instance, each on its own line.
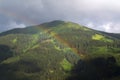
<point x="59" y="50"/>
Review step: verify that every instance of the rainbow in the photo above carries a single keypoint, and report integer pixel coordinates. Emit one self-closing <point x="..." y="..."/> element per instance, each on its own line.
<point x="62" y="41"/>
<point x="17" y="15"/>
<point x="28" y="20"/>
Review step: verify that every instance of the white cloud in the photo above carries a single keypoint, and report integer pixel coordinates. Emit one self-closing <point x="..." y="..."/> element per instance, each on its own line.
<point x="107" y="27"/>
<point x="90" y="25"/>
<point x="13" y="24"/>
<point x="111" y="27"/>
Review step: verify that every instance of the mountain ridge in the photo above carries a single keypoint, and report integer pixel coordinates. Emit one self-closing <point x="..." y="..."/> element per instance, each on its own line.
<point x="56" y="22"/>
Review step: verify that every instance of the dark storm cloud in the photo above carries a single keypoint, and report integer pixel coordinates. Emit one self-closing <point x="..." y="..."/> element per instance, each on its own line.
<point x="97" y="14"/>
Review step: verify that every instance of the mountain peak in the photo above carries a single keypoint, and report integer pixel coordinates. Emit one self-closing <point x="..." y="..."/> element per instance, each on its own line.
<point x="57" y="21"/>
<point x="53" y="23"/>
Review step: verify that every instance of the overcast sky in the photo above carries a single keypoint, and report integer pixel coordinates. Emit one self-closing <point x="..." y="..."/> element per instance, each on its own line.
<point x="97" y="14"/>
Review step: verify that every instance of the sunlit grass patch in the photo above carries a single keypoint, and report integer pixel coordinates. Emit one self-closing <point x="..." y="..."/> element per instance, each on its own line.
<point x="11" y="60"/>
<point x="14" y="40"/>
<point x="58" y="48"/>
<point x="86" y="29"/>
<point x="35" y="46"/>
<point x="97" y="37"/>
<point x="67" y="66"/>
<point x="101" y="37"/>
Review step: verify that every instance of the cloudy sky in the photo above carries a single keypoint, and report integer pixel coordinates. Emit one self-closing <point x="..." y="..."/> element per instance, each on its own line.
<point x="97" y="14"/>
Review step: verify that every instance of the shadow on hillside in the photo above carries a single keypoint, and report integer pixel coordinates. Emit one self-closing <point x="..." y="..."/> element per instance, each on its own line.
<point x="5" y="52"/>
<point x="19" y="70"/>
<point x="15" y="68"/>
<point x="27" y="30"/>
<point x="96" y="69"/>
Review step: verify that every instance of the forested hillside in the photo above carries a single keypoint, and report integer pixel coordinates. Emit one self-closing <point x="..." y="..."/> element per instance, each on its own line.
<point x="59" y="50"/>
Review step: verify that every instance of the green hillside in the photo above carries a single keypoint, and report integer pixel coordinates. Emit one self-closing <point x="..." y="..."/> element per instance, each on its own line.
<point x="59" y="50"/>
